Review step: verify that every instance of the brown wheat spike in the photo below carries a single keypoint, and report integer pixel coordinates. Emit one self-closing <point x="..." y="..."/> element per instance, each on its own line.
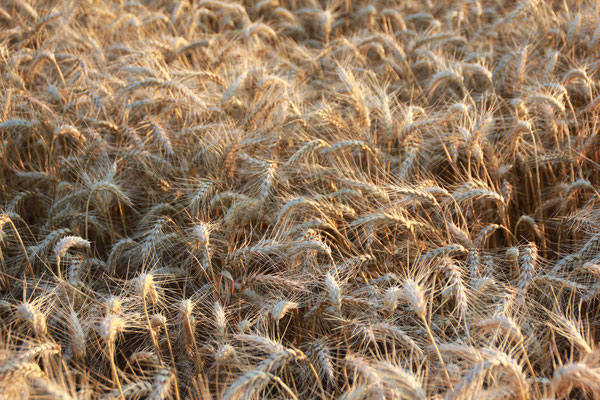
<point x="455" y="286"/>
<point x="36" y="319"/>
<point x="528" y="261"/>
<point x="78" y="336"/>
<point x="136" y="390"/>
<point x="413" y="293"/>
<point x="401" y="380"/>
<point x="320" y="352"/>
<point x="20" y="370"/>
<point x="161" y="387"/>
<point x="576" y="374"/>
<point x="67" y="242"/>
<point x="502" y="323"/>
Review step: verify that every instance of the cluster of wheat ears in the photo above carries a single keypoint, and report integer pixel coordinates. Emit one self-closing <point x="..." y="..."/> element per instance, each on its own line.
<point x="299" y="199"/>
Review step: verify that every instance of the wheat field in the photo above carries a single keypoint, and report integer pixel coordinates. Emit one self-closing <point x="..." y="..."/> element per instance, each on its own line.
<point x="299" y="199"/>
